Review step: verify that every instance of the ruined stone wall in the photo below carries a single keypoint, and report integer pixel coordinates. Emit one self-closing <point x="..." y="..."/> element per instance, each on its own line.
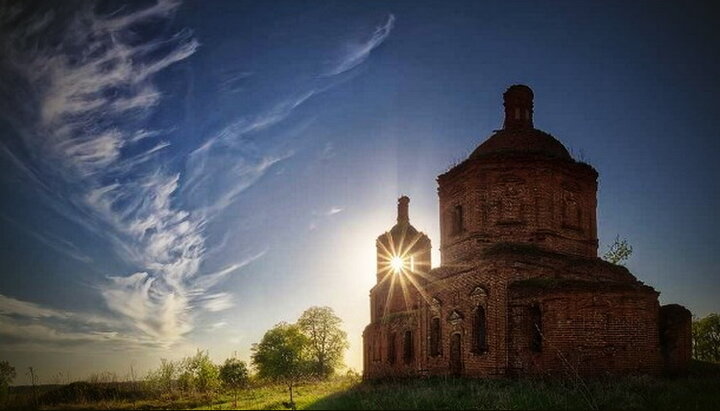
<point x="595" y="319"/>
<point x="590" y="331"/>
<point x="676" y="337"/>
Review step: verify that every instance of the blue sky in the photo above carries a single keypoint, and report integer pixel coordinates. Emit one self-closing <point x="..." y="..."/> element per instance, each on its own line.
<point x="181" y="175"/>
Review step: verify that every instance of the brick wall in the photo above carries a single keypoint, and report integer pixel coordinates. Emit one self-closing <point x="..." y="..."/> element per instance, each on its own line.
<point x="596" y="318"/>
<point x="586" y="332"/>
<point x="676" y="337"/>
<point x="548" y="202"/>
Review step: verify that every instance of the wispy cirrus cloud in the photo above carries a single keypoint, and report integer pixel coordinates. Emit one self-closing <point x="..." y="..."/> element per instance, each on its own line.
<point x="357" y="52"/>
<point x="53" y="241"/>
<point x="24" y="325"/>
<point x="319" y="217"/>
<point x="90" y="92"/>
<point x="13" y="306"/>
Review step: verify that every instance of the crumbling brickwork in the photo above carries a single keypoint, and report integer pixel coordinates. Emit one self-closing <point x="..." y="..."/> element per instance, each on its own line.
<point x="520" y="290"/>
<point x="675" y="337"/>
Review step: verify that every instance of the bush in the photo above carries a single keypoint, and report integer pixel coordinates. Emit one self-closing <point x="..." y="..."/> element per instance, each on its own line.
<point x="163" y="379"/>
<point x="706" y="338"/>
<point x="86" y="392"/>
<point x="195" y="374"/>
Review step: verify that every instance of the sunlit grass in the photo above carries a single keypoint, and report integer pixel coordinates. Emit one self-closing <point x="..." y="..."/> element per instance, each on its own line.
<point x="698" y="390"/>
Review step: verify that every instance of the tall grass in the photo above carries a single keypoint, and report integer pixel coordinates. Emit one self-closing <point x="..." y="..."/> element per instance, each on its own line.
<point x="642" y="392"/>
<point x="700" y="389"/>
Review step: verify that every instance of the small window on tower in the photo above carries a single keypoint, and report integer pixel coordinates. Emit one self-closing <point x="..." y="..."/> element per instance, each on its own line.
<point x="457" y="220"/>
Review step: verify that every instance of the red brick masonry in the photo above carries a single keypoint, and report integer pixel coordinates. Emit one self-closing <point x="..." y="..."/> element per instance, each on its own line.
<point x="520" y="289"/>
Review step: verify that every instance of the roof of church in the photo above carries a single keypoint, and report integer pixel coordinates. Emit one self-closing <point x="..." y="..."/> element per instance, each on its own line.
<point x="518" y="134"/>
<point x="531" y="141"/>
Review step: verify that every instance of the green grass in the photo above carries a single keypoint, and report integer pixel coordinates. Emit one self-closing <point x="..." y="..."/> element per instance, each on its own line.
<point x="448" y="393"/>
<point x="699" y="390"/>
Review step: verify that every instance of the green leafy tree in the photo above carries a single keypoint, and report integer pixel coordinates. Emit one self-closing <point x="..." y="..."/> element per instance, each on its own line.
<point x="706" y="338"/>
<point x="618" y="252"/>
<point x="327" y="341"/>
<point x="234" y="376"/>
<point x="7" y="375"/>
<point x="282" y="356"/>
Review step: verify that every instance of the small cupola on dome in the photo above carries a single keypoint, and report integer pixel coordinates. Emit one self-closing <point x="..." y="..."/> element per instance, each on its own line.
<point x="518" y="101"/>
<point x="519" y="135"/>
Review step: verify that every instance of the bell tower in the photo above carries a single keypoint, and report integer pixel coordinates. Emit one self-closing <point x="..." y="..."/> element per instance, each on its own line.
<point x="403" y="263"/>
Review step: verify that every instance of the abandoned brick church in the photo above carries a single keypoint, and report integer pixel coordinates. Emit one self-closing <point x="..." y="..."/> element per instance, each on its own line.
<point x="521" y="289"/>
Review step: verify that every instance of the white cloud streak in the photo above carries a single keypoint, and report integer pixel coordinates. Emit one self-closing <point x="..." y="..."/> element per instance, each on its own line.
<point x="357" y="53"/>
<point x="12" y="306"/>
<point x="85" y="89"/>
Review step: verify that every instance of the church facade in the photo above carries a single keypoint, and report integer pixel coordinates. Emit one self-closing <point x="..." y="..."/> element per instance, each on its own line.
<point x="521" y="289"/>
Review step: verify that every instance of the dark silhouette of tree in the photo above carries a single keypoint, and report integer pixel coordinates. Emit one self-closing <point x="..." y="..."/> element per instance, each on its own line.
<point x="7" y="375"/>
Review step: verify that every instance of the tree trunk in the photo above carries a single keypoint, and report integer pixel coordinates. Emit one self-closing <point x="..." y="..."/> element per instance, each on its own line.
<point x="292" y="402"/>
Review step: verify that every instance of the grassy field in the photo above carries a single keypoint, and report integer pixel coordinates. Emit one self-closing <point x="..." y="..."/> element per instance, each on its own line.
<point x="699" y="390"/>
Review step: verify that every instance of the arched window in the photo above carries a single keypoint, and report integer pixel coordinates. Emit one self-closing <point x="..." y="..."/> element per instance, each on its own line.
<point x="408" y="349"/>
<point x="479" y="331"/>
<point x="536" y="332"/>
<point x="391" y="348"/>
<point x="457" y="220"/>
<point x="435" y="337"/>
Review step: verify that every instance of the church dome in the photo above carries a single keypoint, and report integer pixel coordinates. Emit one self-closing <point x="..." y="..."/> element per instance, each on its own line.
<point x="531" y="141"/>
<point x="518" y="134"/>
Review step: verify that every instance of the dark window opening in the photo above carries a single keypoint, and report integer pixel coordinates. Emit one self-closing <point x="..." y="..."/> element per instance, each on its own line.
<point x="536" y="332"/>
<point x="391" y="348"/>
<point x="479" y="331"/>
<point x="435" y="337"/>
<point x="457" y="220"/>
<point x="408" y="349"/>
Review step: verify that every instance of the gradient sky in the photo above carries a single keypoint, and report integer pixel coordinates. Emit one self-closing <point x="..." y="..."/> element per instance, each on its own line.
<point x="182" y="175"/>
